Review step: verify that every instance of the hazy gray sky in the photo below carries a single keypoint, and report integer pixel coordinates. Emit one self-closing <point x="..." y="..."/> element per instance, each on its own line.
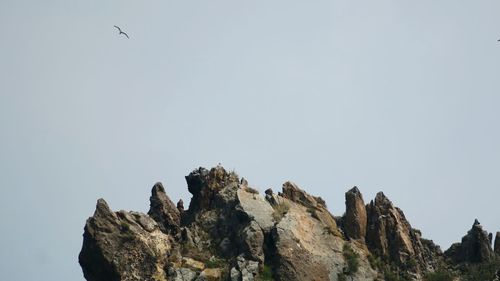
<point x="399" y="96"/>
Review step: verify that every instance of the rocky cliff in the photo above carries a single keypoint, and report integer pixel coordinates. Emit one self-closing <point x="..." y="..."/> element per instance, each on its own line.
<point x="232" y="232"/>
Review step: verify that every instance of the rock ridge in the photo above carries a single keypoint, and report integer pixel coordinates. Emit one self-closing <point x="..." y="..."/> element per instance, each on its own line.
<point x="230" y="231"/>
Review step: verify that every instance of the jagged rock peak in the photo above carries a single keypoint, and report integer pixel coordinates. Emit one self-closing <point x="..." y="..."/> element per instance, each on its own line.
<point x="102" y="209"/>
<point x="383" y="201"/>
<point x="163" y="210"/>
<point x="475" y="246"/>
<point x="231" y="232"/>
<point x="390" y="236"/>
<point x="355" y="218"/>
<point x="294" y="193"/>
<point x="180" y="206"/>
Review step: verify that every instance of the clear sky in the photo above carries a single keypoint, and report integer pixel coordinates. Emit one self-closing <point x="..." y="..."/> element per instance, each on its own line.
<point x="399" y="96"/>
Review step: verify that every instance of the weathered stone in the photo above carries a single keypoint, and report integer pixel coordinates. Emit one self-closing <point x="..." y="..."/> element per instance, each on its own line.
<point x="305" y="248"/>
<point x="248" y="268"/>
<point x="292" y="192"/>
<point x="117" y="246"/>
<point x="163" y="210"/>
<point x="183" y="274"/>
<point x="210" y="189"/>
<point x="253" y="241"/>
<point x="355" y="220"/>
<point x="235" y="274"/>
<point x="475" y="246"/>
<point x="271" y="197"/>
<point x="193" y="264"/>
<point x="390" y="236"/>
<point x="210" y="274"/>
<point x="180" y="206"/>
<point x="256" y="208"/>
<point x="243" y="182"/>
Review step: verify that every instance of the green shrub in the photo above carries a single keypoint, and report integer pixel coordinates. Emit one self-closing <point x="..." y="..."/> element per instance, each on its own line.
<point x="376" y="263"/>
<point x="480" y="271"/>
<point x="390" y="276"/>
<point x="352" y="260"/>
<point x="439" y="275"/>
<point x="126" y="234"/>
<point x="213" y="263"/>
<point x="251" y="190"/>
<point x="266" y="274"/>
<point x="125" y="227"/>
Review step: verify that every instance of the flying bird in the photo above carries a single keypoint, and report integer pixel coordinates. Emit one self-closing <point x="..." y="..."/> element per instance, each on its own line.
<point x="121" y="32"/>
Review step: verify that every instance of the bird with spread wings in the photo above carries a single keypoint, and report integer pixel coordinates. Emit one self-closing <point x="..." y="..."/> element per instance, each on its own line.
<point x="121" y="32"/>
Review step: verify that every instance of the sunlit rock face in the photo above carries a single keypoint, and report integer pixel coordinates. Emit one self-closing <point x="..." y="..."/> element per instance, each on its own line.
<point x="355" y="220"/>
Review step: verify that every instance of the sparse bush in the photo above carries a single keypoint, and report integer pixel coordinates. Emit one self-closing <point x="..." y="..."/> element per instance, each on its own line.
<point x="440" y="275"/>
<point x="251" y="190"/>
<point x="125" y="227"/>
<point x="313" y="212"/>
<point x="234" y="176"/>
<point x="390" y="276"/>
<point x="410" y="264"/>
<point x="280" y="210"/>
<point x="480" y="271"/>
<point x="375" y="262"/>
<point x="266" y="274"/>
<point x="341" y="277"/>
<point x="213" y="263"/>
<point x="126" y="234"/>
<point x="352" y="260"/>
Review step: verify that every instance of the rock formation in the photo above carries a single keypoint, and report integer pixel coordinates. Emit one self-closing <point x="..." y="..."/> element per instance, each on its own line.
<point x="123" y="246"/>
<point x="391" y="237"/>
<point x="231" y="232"/>
<point x="355" y="217"/>
<point x="163" y="210"/>
<point x="475" y="246"/>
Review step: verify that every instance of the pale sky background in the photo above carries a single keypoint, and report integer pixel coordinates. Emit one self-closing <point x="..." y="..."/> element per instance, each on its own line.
<point x="399" y="96"/>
